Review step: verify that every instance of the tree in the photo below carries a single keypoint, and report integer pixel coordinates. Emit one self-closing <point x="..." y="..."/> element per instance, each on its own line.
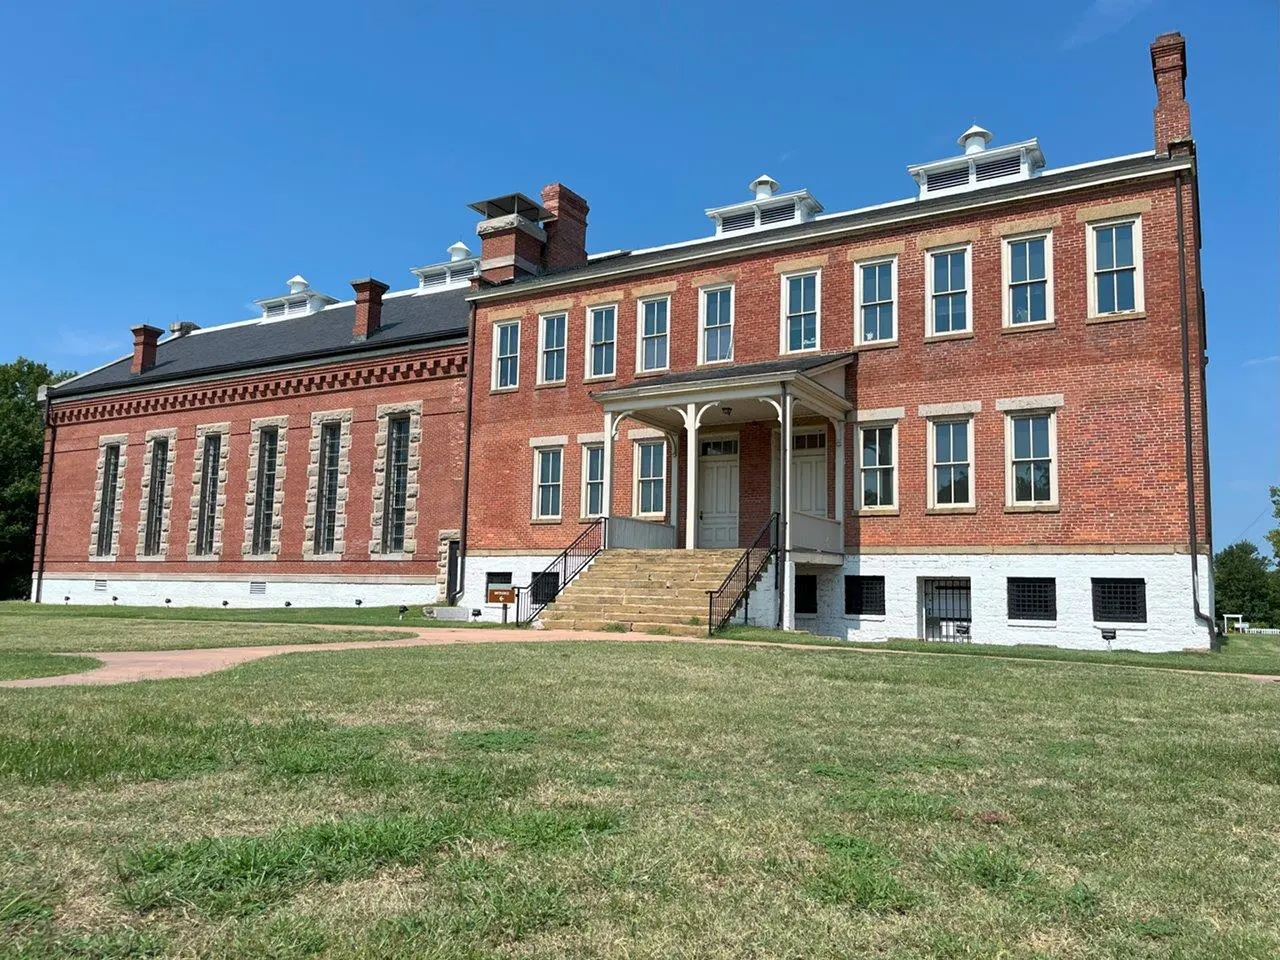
<point x="1273" y="537"/>
<point x="1243" y="584"/>
<point x="21" y="450"/>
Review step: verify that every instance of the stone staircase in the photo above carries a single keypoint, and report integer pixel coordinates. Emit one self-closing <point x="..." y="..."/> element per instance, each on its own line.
<point x="653" y="591"/>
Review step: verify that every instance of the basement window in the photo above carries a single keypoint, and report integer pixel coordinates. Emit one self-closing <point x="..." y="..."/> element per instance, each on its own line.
<point x="864" y="596"/>
<point x="1119" y="600"/>
<point x="1033" y="598"/>
<point x="806" y="594"/>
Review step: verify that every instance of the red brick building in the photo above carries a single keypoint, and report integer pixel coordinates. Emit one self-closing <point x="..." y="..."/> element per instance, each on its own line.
<point x="992" y="394"/>
<point x="312" y="455"/>
<point x="978" y="411"/>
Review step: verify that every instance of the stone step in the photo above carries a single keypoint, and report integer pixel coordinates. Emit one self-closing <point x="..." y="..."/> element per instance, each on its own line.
<point x="668" y="629"/>
<point x="636" y="611"/>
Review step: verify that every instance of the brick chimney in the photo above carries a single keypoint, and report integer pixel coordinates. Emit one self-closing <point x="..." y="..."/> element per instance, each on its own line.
<point x="1172" y="113"/>
<point x="368" y="307"/>
<point x="145" y="338"/>
<point x="567" y="230"/>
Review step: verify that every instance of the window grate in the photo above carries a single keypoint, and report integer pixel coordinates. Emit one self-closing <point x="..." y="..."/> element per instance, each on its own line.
<point x="1004" y="167"/>
<point x="1033" y="598"/>
<point x="864" y="596"/>
<point x="544" y="586"/>
<point x="99" y="586"/>
<point x="1119" y="600"/>
<point x="257" y="588"/>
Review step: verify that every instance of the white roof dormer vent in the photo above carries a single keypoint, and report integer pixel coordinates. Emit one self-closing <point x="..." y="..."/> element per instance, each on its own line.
<point x="449" y="274"/>
<point x="299" y="301"/>
<point x="768" y="208"/>
<point x="979" y="166"/>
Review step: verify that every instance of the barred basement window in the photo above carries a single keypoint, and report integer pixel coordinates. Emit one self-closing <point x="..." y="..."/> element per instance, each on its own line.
<point x="1033" y="598"/>
<point x="806" y="593"/>
<point x="155" y="496"/>
<point x="327" y="488"/>
<point x="864" y="596"/>
<point x="544" y="586"/>
<point x="207" y="511"/>
<point x="1119" y="600"/>
<point x="264" y="502"/>
<point x="107" y="505"/>
<point x="397" y="481"/>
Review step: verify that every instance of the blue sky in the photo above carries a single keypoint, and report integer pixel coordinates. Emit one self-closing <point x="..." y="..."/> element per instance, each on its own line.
<point x="169" y="160"/>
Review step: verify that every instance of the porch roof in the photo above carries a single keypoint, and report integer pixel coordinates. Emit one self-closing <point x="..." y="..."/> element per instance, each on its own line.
<point x="775" y="371"/>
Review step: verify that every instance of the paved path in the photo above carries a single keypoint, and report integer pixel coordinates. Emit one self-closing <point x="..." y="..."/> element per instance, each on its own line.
<point x="131" y="666"/>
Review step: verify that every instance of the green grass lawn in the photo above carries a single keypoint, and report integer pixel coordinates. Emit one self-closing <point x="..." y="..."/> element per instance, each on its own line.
<point x="645" y="800"/>
<point x="353" y="616"/>
<point x="25" y="628"/>
<point x="1240" y="653"/>
<point x="20" y="666"/>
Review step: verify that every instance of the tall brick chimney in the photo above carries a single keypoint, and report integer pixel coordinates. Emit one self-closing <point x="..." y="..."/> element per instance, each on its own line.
<point x="567" y="230"/>
<point x="1172" y="113"/>
<point x="368" y="307"/>
<point x="145" y="338"/>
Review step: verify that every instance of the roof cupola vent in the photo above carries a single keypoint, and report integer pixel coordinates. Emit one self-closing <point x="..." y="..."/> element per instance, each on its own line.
<point x="764" y="186"/>
<point x="458" y="251"/>
<point x="298" y="283"/>
<point x="300" y="299"/>
<point x="974" y="140"/>
<point x="455" y="272"/>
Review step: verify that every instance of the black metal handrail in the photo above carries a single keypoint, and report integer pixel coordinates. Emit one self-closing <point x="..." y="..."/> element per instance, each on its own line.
<point x="544" y="587"/>
<point x="723" y="602"/>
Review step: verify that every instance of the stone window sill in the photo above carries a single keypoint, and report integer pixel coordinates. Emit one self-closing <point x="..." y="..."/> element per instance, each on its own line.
<point x="954" y="335"/>
<point x="1117" y="317"/>
<point x="1029" y="327"/>
<point x="1042" y="624"/>
<point x="948" y="511"/>
<point x="323" y="557"/>
<point x="657" y="372"/>
<point x="876" y="512"/>
<point x="204" y="557"/>
<point x="504" y="389"/>
<point x="546" y="521"/>
<point x="557" y="385"/>
<point x="1103" y="625"/>
<point x="1032" y="508"/>
<point x="878" y="344"/>
<point x="603" y="378"/>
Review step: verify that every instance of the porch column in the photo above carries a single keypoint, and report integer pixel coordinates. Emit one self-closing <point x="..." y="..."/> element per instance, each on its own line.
<point x="606" y="503"/>
<point x="840" y="432"/>
<point x="691" y="477"/>
<point x="789" y="567"/>
<point x="673" y="510"/>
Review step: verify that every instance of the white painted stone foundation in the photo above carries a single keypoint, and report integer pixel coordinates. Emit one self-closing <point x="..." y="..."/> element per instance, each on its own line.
<point x="521" y="567"/>
<point x="211" y="593"/>
<point x="1171" y="622"/>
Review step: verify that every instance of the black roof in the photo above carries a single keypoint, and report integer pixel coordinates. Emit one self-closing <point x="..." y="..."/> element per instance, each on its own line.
<point x="407" y="321"/>
<point x="796" y="364"/>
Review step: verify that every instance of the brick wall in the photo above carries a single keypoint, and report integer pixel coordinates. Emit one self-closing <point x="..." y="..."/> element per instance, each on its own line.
<point x="432" y="381"/>
<point x="1120" y="429"/>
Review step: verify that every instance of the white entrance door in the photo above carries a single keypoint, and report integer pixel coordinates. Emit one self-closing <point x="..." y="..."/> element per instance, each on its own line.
<point x="718" y="495"/>
<point x="809" y="475"/>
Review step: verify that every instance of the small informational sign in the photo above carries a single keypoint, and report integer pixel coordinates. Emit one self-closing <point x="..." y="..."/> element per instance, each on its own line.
<point x="502" y="595"/>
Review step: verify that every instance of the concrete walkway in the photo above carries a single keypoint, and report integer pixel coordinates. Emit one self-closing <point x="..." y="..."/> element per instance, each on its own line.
<point x="131" y="666"/>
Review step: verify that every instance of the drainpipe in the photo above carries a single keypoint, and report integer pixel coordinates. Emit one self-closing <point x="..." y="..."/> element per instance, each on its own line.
<point x="48" y="495"/>
<point x="1186" y="419"/>
<point x="783" y="556"/>
<point x="466" y="446"/>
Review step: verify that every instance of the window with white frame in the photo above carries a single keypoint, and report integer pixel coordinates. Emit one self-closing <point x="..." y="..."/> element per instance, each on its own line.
<point x="716" y="343"/>
<point x="506" y="355"/>
<point x="602" y="337"/>
<point x="948" y="280"/>
<point x="593" y="480"/>
<point x="1028" y="269"/>
<point x="548" y="471"/>
<point x="1031" y="440"/>
<point x="876" y="297"/>
<point x="651" y="478"/>
<point x="1115" y="267"/>
<point x="951" y="469"/>
<point x="801" y="296"/>
<point x="878" y="487"/>
<point x="652" y="354"/>
<point x="551" y="351"/>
